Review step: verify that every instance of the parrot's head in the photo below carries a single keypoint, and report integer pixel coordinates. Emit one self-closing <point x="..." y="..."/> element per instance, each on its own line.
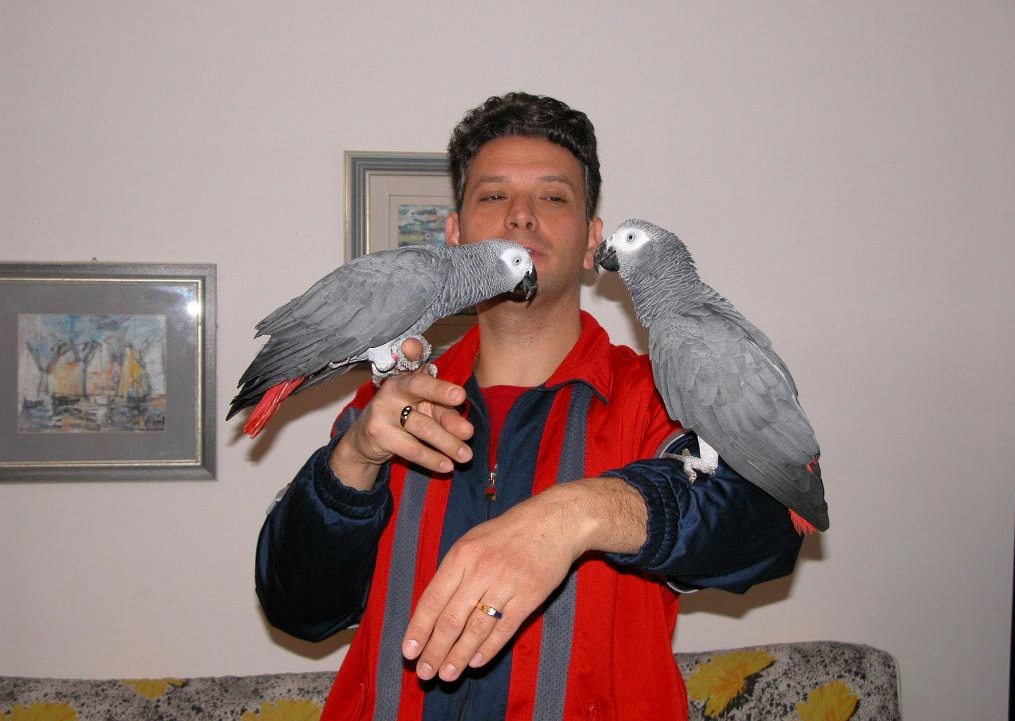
<point x="513" y="269"/>
<point x="639" y="244"/>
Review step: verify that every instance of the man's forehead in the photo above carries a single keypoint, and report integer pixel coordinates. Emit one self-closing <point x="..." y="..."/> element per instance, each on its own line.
<point x="548" y="178"/>
<point x="503" y="159"/>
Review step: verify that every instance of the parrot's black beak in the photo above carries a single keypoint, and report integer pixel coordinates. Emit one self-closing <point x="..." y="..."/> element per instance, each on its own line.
<point x="526" y="287"/>
<point x="606" y="257"/>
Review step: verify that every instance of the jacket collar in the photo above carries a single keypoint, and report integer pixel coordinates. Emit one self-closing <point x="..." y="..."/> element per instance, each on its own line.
<point x="587" y="362"/>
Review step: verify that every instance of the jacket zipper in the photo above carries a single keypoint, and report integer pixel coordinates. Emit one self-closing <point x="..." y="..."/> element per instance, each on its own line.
<point x="490" y="492"/>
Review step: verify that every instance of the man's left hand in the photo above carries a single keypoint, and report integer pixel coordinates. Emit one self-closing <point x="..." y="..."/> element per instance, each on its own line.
<point x="513" y="563"/>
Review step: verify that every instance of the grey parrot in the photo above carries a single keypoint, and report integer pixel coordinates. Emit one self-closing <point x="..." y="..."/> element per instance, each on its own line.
<point x="717" y="373"/>
<point x="364" y="309"/>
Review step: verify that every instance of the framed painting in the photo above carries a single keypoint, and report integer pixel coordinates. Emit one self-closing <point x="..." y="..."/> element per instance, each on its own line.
<point x="395" y="199"/>
<point x="108" y="372"/>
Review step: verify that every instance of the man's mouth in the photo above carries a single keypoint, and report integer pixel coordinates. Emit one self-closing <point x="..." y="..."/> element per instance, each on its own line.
<point x="532" y="251"/>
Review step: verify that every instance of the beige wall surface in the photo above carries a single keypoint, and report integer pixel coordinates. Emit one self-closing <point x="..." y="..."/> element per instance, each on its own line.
<point x="844" y="172"/>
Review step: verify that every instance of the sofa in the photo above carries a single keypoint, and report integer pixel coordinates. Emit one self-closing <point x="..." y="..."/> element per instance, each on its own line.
<point x="826" y="680"/>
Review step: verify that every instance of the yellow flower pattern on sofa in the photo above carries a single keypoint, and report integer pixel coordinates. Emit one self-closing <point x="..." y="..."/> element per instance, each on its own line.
<point x="153" y="687"/>
<point x="724" y="677"/>
<point x="288" y="709"/>
<point x="41" y="712"/>
<point x="832" y="702"/>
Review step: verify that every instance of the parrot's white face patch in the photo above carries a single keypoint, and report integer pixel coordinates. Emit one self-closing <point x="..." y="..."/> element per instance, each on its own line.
<point x="629" y="240"/>
<point x="517" y="261"/>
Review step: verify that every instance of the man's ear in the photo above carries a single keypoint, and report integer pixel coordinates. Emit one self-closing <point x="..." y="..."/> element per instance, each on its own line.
<point x="594" y="239"/>
<point x="452" y="230"/>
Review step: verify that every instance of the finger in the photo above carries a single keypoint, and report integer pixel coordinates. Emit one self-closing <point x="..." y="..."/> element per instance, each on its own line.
<point x="503" y="631"/>
<point x="411" y="449"/>
<point x="459" y="617"/>
<point x="412" y="349"/>
<point x="436" y="436"/>
<point x="449" y="419"/>
<point x="483" y="636"/>
<point x="425" y="387"/>
<point x="430" y="606"/>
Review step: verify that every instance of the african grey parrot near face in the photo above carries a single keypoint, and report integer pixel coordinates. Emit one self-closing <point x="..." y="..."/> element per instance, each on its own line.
<point x="717" y="373"/>
<point x="364" y="309"/>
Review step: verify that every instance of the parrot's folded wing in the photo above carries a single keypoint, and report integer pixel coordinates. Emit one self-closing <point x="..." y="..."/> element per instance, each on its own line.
<point x="715" y="379"/>
<point x="365" y="303"/>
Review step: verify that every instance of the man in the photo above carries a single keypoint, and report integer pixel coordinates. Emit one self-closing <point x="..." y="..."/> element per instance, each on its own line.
<point x="504" y="533"/>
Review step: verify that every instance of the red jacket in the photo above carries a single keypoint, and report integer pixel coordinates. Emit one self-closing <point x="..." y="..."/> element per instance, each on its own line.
<point x="329" y="555"/>
<point x="620" y="664"/>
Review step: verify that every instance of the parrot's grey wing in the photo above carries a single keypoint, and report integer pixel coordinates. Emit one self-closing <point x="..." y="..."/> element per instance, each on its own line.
<point x="364" y="299"/>
<point x="726" y="310"/>
<point x="365" y="303"/>
<point x="716" y="380"/>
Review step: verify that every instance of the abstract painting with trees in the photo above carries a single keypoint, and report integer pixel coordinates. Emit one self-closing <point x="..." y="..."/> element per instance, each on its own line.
<point x="91" y="373"/>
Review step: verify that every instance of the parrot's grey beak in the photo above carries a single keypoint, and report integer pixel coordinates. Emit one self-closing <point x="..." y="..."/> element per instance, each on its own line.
<point x="606" y="257"/>
<point x="526" y="287"/>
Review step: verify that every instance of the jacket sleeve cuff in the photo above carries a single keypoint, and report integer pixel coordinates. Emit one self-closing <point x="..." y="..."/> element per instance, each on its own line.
<point x="343" y="499"/>
<point x="663" y="519"/>
<point x="661" y="502"/>
<point x="719" y="532"/>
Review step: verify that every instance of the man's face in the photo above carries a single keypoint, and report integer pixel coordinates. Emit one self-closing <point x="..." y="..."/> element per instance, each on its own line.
<point x="530" y="191"/>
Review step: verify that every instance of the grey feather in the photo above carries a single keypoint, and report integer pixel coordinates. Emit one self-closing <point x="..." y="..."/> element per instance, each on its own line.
<point x="355" y="312"/>
<point x="717" y="373"/>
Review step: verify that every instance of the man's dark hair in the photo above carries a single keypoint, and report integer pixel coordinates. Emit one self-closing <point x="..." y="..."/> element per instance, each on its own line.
<point x="529" y="116"/>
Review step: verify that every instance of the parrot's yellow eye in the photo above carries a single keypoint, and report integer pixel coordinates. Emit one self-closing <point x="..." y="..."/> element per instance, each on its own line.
<point x="630" y="237"/>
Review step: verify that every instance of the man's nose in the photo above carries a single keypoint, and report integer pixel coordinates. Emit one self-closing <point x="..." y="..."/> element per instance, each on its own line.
<point x="521" y="215"/>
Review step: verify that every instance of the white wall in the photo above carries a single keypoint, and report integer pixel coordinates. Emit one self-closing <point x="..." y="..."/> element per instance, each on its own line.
<point x="842" y="171"/>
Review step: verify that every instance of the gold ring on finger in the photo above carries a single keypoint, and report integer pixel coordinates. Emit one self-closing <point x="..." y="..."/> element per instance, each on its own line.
<point x="489" y="610"/>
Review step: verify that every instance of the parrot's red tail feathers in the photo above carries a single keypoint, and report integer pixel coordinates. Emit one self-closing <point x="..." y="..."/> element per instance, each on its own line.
<point x="802" y="526"/>
<point x="269" y="403"/>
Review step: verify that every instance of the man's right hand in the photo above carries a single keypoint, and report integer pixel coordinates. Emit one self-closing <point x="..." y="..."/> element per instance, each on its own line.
<point x="433" y="436"/>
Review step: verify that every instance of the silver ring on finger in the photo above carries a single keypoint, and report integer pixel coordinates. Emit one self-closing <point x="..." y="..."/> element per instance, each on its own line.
<point x="404" y="416"/>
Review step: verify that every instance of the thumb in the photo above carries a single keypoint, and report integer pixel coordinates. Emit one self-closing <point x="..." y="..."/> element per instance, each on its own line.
<point x="412" y="349"/>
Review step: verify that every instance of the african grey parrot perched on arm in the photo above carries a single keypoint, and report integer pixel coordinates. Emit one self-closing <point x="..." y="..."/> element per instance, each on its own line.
<point x="364" y="309"/>
<point x="717" y="373"/>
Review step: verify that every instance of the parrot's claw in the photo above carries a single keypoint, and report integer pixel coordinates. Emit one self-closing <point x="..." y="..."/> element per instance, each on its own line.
<point x="692" y="463"/>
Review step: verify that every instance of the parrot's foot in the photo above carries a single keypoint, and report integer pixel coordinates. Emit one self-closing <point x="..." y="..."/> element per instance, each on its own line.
<point x="379" y="378"/>
<point x="401" y="364"/>
<point x="692" y="464"/>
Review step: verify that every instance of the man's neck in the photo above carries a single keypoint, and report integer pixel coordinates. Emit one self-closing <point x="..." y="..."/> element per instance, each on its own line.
<point x="523" y="346"/>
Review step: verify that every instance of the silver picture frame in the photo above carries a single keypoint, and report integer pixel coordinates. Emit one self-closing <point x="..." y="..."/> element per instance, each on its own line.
<point x="382" y="192"/>
<point x="109" y="371"/>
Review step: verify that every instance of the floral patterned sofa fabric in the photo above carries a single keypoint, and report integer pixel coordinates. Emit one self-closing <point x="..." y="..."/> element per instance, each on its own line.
<point x="806" y="681"/>
<point x="826" y="681"/>
<point x="274" y="697"/>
